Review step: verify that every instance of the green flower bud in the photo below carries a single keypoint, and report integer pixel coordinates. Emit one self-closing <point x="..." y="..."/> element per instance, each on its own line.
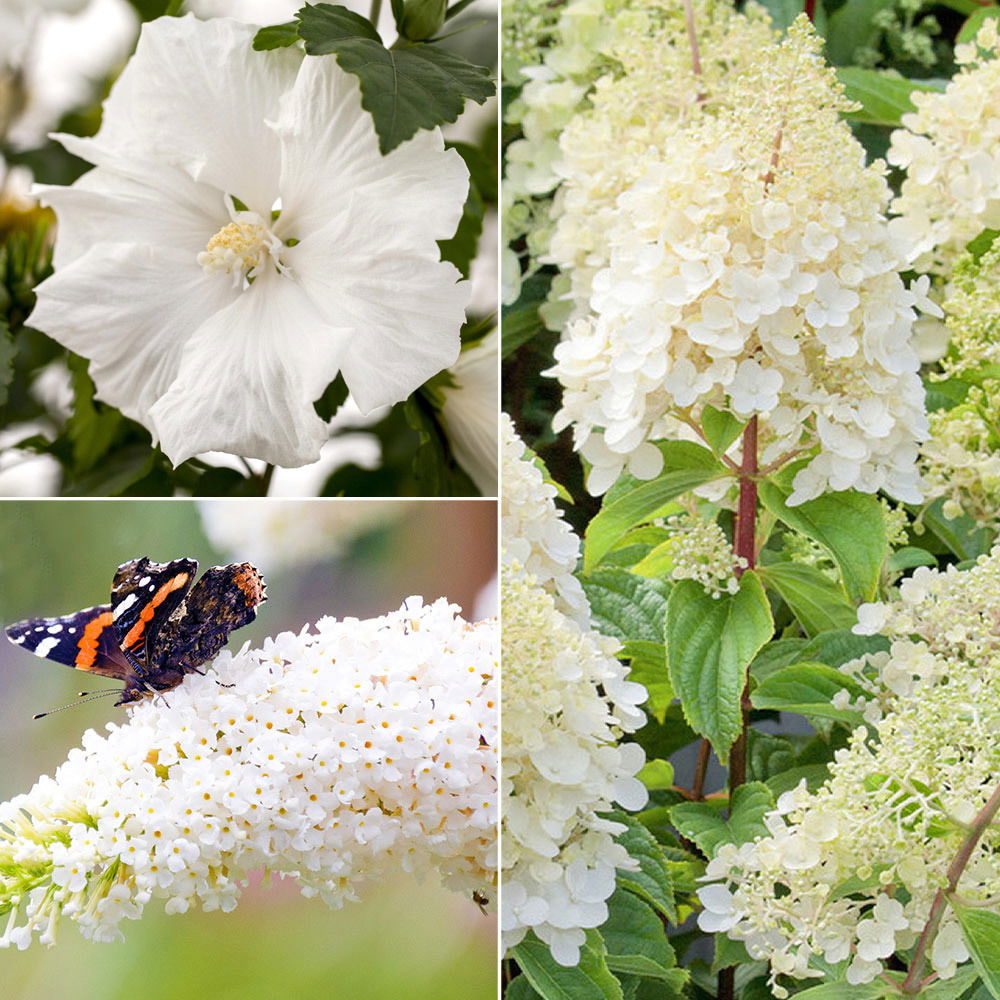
<point x="422" y="19"/>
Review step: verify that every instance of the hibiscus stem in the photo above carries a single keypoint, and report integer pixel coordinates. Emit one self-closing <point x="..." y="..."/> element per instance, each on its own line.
<point x="913" y="983"/>
<point x="374" y="11"/>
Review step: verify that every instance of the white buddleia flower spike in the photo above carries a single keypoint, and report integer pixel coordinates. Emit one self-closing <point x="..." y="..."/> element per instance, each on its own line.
<point x="334" y="756"/>
<point x="242" y="240"/>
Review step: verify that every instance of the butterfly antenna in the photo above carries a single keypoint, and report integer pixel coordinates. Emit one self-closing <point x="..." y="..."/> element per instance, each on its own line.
<point x="93" y="696"/>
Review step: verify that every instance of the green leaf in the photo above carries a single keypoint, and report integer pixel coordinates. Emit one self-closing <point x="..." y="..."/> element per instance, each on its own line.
<point x="837" y="647"/>
<point x="710" y="644"/>
<point x="844" y="991"/>
<point x="462" y="247"/>
<point x="648" y="662"/>
<point x="685" y="465"/>
<point x="721" y="428"/>
<point x="775" y="655"/>
<point x="850" y="525"/>
<point x="115" y="474"/>
<point x="816" y="601"/>
<point x="981" y="930"/>
<point x="974" y="22"/>
<point x="813" y="774"/>
<point x="652" y="882"/>
<point x="334" y="396"/>
<point x="961" y="535"/>
<point x="520" y="322"/>
<point x="626" y="606"/>
<point x="909" y="557"/>
<point x="984" y="241"/>
<point x="636" y="942"/>
<point x="657" y="774"/>
<point x="703" y="822"/>
<point x="783" y="12"/>
<point x="93" y="427"/>
<point x="808" y="689"/>
<point x="851" y="28"/>
<point x="884" y="99"/>
<point x="952" y="989"/>
<point x="406" y="89"/>
<point x="591" y="979"/>
<point x="276" y="36"/>
<point x="519" y="988"/>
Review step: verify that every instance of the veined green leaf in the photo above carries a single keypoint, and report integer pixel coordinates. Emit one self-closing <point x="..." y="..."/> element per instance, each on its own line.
<point x="849" y="524"/>
<point x="710" y="644"/>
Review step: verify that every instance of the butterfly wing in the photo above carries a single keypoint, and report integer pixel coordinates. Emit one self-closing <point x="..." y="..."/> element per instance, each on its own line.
<point x="143" y="596"/>
<point x="85" y="640"/>
<point x="224" y="599"/>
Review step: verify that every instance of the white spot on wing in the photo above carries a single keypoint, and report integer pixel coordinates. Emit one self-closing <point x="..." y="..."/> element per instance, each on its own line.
<point x="54" y="629"/>
<point x="123" y="607"/>
<point x="46" y="646"/>
<point x="144" y="581"/>
<point x="18" y="640"/>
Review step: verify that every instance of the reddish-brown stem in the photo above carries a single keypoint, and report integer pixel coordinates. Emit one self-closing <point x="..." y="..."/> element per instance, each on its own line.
<point x="745" y="548"/>
<point x="810" y="10"/>
<point x="698" y="788"/>
<point x="914" y="982"/>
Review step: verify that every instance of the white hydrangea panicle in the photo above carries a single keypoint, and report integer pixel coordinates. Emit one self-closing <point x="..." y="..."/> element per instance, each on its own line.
<point x="332" y="756"/>
<point x="532" y="528"/>
<point x="741" y="271"/>
<point x="567" y="703"/>
<point x="851" y="871"/>
<point x="621" y="71"/>
<point x="949" y="149"/>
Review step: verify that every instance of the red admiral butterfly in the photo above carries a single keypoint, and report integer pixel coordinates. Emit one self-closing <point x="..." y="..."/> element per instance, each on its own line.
<point x="157" y="627"/>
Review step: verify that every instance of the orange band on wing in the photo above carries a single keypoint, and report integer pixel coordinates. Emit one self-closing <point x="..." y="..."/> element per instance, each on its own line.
<point x="134" y="635"/>
<point x="90" y="639"/>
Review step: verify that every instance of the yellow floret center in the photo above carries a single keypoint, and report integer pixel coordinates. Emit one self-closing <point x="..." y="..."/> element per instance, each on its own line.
<point x="238" y="248"/>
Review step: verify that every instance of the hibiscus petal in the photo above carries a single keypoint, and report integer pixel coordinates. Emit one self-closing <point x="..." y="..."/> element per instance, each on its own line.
<point x="107" y="207"/>
<point x="130" y="310"/>
<point x="330" y="156"/>
<point x="405" y="309"/>
<point x="248" y="378"/>
<point x="226" y="89"/>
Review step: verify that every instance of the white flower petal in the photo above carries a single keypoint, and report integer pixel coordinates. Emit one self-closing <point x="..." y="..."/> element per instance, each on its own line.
<point x="405" y="308"/>
<point x="226" y="90"/>
<point x="242" y="386"/>
<point x="330" y="157"/>
<point x="130" y="310"/>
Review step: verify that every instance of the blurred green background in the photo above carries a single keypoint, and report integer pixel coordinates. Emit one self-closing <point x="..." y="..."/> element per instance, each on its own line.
<point x="320" y="557"/>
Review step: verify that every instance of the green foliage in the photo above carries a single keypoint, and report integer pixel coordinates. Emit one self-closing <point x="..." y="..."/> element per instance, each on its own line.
<point x="591" y="979"/>
<point x="850" y="525"/>
<point x="703" y="822"/>
<point x="981" y="930"/>
<point x="816" y="601"/>
<point x="637" y="944"/>
<point x="632" y="502"/>
<point x="627" y="606"/>
<point x="884" y="99"/>
<point x="710" y="643"/>
<point x="404" y="89"/>
<point x="808" y="689"/>
<point x="652" y="881"/>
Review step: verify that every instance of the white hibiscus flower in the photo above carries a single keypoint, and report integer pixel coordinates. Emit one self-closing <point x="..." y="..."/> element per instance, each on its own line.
<point x="242" y="239"/>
